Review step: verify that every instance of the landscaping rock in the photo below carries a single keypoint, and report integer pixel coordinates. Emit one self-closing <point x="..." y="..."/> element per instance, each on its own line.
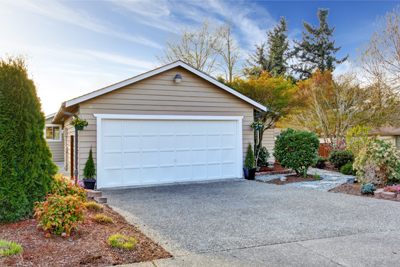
<point x="350" y="180"/>
<point x="92" y="193"/>
<point x="388" y="194"/>
<point x="283" y="179"/>
<point x="378" y="192"/>
<point x="101" y="200"/>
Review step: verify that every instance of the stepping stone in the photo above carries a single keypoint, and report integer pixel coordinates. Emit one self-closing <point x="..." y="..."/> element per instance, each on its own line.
<point x="378" y="193"/>
<point x="101" y="200"/>
<point x="311" y="186"/>
<point x="92" y="193"/>
<point x="388" y="194"/>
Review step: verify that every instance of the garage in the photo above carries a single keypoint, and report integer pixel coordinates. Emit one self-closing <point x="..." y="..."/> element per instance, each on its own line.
<point x="145" y="150"/>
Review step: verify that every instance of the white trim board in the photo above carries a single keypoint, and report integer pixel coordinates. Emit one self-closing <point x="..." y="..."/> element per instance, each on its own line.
<point x="101" y="117"/>
<point x="160" y="70"/>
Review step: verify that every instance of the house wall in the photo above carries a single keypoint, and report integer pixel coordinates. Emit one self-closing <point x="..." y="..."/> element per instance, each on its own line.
<point x="56" y="147"/>
<point x="160" y="95"/>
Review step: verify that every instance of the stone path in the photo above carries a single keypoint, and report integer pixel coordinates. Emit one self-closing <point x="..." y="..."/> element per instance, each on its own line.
<point x="330" y="180"/>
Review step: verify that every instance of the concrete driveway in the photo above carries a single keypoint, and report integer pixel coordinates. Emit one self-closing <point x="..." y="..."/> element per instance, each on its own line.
<point x="248" y="223"/>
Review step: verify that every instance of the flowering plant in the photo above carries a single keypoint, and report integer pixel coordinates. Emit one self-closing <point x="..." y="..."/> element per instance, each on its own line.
<point x="64" y="187"/>
<point x="378" y="162"/>
<point x="257" y="125"/>
<point x="78" y="122"/>
<point x="393" y="188"/>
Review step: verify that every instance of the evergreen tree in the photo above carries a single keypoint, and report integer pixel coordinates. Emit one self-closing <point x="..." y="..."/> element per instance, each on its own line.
<point x="271" y="57"/>
<point x="316" y="50"/>
<point x="90" y="170"/>
<point x="26" y="166"/>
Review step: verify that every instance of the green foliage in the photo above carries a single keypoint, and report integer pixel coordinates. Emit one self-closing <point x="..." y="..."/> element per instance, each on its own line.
<point x="250" y="161"/>
<point x="275" y="59"/>
<point x="368" y="189"/>
<point x="9" y="248"/>
<point x="121" y="241"/>
<point x="26" y="163"/>
<point x="90" y="170"/>
<point x="378" y="163"/>
<point x="339" y="158"/>
<point x="78" y="122"/>
<point x="316" y="50"/>
<point x="93" y="206"/>
<point x="103" y="218"/>
<point x="348" y="169"/>
<point x="297" y="150"/>
<point x="60" y="213"/>
<point x="63" y="186"/>
<point x="356" y="138"/>
<point x="320" y="162"/>
<point x="263" y="157"/>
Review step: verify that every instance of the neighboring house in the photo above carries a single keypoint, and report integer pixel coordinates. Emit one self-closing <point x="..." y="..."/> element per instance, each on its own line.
<point x="155" y="128"/>
<point x="388" y="134"/>
<point x="54" y="138"/>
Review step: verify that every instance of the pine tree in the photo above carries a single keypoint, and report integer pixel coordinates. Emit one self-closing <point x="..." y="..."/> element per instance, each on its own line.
<point x="272" y="56"/>
<point x="316" y="50"/>
<point x="90" y="170"/>
<point x="26" y="166"/>
<point x="250" y="161"/>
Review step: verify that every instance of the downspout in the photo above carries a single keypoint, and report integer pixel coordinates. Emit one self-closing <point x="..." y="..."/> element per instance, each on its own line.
<point x="76" y="142"/>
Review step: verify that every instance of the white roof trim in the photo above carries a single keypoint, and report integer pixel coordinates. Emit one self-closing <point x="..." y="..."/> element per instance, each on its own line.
<point x="51" y="115"/>
<point x="157" y="71"/>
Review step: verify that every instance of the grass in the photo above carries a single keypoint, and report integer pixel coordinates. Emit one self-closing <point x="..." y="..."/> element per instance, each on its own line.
<point x="121" y="241"/>
<point x="103" y="218"/>
<point x="94" y="206"/>
<point x="9" y="248"/>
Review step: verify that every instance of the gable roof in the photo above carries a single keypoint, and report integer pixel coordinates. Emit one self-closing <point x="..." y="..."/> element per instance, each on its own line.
<point x="50" y="115"/>
<point x="157" y="71"/>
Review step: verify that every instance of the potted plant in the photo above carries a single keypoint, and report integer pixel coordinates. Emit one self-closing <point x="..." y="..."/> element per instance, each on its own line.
<point x="89" y="172"/>
<point x="249" y="164"/>
<point x="79" y="123"/>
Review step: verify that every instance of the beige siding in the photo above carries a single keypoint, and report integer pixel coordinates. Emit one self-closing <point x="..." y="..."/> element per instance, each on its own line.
<point x="160" y="95"/>
<point x="269" y="143"/>
<point x="56" y="147"/>
<point x="69" y="131"/>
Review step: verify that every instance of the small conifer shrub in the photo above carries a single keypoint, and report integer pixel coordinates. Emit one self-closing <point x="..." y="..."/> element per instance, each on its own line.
<point x="250" y="161"/>
<point x="368" y="189"/>
<point x="90" y="170"/>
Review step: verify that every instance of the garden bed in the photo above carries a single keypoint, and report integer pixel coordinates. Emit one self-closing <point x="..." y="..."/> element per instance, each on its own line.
<point x="277" y="169"/>
<point x="293" y="179"/>
<point x="86" y="246"/>
<point x="354" y="189"/>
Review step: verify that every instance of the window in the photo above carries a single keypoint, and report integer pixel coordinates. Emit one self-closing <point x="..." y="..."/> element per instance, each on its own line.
<point x="53" y="133"/>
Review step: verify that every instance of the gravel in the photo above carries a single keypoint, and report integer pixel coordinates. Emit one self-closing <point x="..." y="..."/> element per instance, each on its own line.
<point x="218" y="216"/>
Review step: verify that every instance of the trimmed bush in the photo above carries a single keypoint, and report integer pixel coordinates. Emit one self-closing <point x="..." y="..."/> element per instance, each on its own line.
<point x="121" y="241"/>
<point x="263" y="157"/>
<point x="90" y="170"/>
<point x="348" y="169"/>
<point x="9" y="248"/>
<point x="339" y="158"/>
<point x="63" y="186"/>
<point x="297" y="150"/>
<point x="321" y="162"/>
<point x="26" y="165"/>
<point x="250" y="161"/>
<point x="93" y="206"/>
<point x="367" y="189"/>
<point x="103" y="218"/>
<point x="60" y="214"/>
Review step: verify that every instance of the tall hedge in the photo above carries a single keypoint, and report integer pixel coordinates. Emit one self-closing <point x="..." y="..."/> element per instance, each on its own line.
<point x="26" y="163"/>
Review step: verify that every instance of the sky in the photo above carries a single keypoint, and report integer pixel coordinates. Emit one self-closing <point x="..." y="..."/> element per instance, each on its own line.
<point x="74" y="47"/>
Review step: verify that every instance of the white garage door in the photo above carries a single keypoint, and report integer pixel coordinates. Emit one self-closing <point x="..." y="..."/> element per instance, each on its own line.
<point x="142" y="152"/>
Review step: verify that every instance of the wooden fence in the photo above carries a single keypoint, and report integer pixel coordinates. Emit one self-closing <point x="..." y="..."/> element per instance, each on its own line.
<point x="323" y="150"/>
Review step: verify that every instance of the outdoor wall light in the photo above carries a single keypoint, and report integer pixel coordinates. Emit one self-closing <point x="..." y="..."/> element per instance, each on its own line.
<point x="178" y="78"/>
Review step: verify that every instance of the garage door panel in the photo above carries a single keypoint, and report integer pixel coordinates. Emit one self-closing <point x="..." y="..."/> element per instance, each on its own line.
<point x="149" y="175"/>
<point x="166" y="142"/>
<point x="112" y="177"/>
<point x="149" y="142"/>
<point x="228" y="141"/>
<point x="149" y="127"/>
<point x="199" y="127"/>
<point x="131" y="176"/>
<point x="213" y="127"/>
<point x="199" y="157"/>
<point x="184" y="173"/>
<point x="214" y="170"/>
<point x="166" y="158"/>
<point x="131" y="127"/>
<point x="131" y="159"/>
<point x="166" y="174"/>
<point x="112" y="160"/>
<point x="199" y="172"/>
<point x="228" y="169"/>
<point x="214" y="141"/>
<point x="131" y="143"/>
<point x="183" y="142"/>
<point x="149" y="159"/>
<point x="112" y="143"/>
<point x="228" y="155"/>
<point x="112" y="127"/>
<point x="199" y="141"/>
<point x="183" y="127"/>
<point x="184" y="157"/>
<point x="166" y="127"/>
<point x="228" y="127"/>
<point x="214" y="156"/>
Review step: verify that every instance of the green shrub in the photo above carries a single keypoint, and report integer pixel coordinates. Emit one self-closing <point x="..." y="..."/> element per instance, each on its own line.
<point x="339" y="158"/>
<point x="250" y="161"/>
<point x="367" y="189"/>
<point x="9" y="248"/>
<point x="90" y="170"/>
<point x="121" y="241"/>
<point x="263" y="157"/>
<point x="63" y="186"/>
<point x="26" y="163"/>
<point x="321" y="162"/>
<point x="93" y="206"/>
<point x="103" y="218"/>
<point x="378" y="163"/>
<point x="348" y="169"/>
<point x="297" y="150"/>
<point x="60" y="214"/>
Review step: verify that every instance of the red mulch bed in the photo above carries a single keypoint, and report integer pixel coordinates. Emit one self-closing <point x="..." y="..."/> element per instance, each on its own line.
<point x="293" y="179"/>
<point x="354" y="189"/>
<point x="276" y="167"/>
<point x="87" y="246"/>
